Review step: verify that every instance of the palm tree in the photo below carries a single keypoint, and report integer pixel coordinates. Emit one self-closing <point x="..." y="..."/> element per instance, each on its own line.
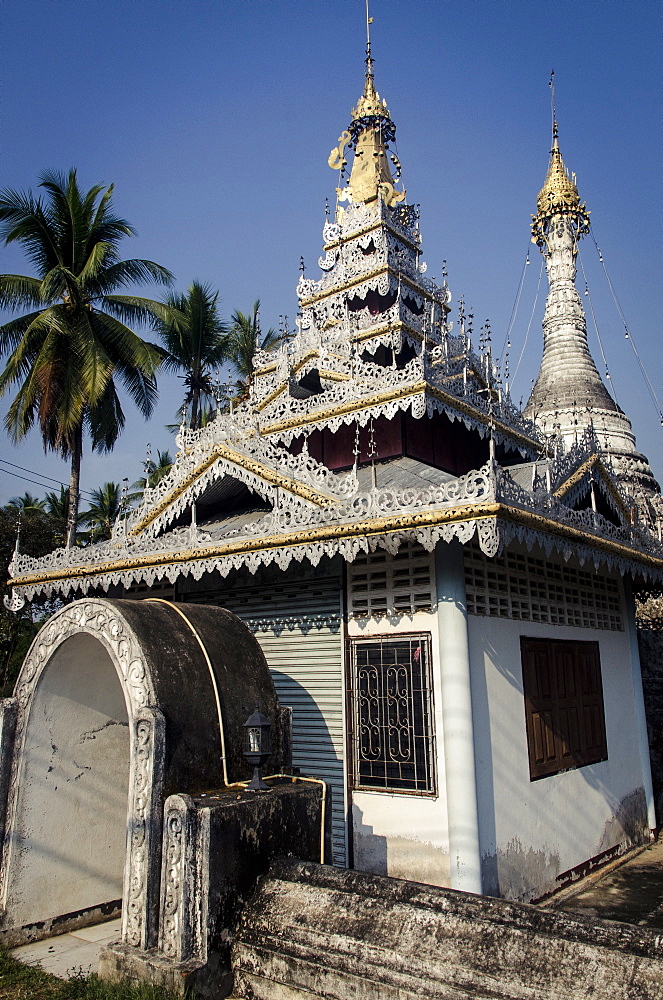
<point x="154" y="471"/>
<point x="105" y="506"/>
<point x="195" y="339"/>
<point x="26" y="503"/>
<point x="67" y="351"/>
<point x="57" y="504"/>
<point x="244" y="341"/>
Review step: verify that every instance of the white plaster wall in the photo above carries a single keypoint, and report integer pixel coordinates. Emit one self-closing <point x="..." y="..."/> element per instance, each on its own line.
<point x="532" y="831"/>
<point x="69" y="837"/>
<point x="404" y="835"/>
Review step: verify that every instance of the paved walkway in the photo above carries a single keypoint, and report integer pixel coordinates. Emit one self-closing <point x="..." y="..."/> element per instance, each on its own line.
<point x="69" y="954"/>
<point x="629" y="890"/>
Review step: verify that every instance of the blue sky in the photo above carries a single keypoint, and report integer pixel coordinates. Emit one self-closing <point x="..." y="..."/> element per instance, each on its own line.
<point x="214" y="119"/>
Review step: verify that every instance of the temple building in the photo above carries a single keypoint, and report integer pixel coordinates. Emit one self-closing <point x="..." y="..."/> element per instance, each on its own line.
<point x="442" y="584"/>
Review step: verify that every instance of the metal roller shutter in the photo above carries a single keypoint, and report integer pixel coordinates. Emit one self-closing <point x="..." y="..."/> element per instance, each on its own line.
<point x="298" y="626"/>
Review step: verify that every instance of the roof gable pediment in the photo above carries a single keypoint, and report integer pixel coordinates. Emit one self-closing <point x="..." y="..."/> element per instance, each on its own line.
<point x="211" y="466"/>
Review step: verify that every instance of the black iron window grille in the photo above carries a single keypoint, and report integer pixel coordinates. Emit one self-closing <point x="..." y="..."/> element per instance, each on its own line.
<point x="392" y="713"/>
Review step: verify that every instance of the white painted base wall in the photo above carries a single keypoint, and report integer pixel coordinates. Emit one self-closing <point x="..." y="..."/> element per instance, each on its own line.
<point x="532" y="831"/>
<point x="404" y="836"/>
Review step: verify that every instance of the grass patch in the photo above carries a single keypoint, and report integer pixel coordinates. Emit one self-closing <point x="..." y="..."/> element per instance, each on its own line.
<point x="24" y="982"/>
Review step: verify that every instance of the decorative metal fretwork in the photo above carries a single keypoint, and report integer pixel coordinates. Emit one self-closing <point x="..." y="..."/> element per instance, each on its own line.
<point x="392" y="713"/>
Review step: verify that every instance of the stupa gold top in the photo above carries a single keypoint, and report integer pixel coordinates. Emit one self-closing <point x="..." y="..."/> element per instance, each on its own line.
<point x="559" y="192"/>
<point x="370" y="103"/>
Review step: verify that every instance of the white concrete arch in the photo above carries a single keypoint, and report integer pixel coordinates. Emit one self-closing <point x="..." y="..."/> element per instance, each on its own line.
<point x="83" y="777"/>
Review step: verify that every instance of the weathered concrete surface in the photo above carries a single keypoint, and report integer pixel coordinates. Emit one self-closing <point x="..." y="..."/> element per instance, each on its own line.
<point x="629" y="890"/>
<point x="70" y="954"/>
<point x="321" y="932"/>
<point x="215" y="848"/>
<point x="116" y="697"/>
<point x="69" y="830"/>
<point x="650" y="642"/>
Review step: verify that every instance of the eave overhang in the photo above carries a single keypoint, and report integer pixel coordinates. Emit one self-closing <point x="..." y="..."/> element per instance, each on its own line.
<point x="495" y="522"/>
<point x="315" y="418"/>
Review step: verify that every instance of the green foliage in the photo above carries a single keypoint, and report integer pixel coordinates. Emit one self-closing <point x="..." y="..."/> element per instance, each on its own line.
<point x="57" y="504"/>
<point x="26" y="502"/>
<point x="22" y="982"/>
<point x="244" y="340"/>
<point x="40" y="534"/>
<point x="106" y="505"/>
<point x="195" y="339"/>
<point x="65" y="354"/>
<point x="155" y="471"/>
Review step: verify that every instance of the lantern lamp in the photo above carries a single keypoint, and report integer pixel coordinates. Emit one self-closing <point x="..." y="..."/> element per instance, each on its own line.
<point x="257" y="748"/>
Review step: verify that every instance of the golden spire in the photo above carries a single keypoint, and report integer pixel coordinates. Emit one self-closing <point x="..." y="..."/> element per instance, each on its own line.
<point x="559" y="194"/>
<point x="369" y="134"/>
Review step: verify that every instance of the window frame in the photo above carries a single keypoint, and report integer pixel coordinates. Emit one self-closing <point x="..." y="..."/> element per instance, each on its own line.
<point x="423" y="721"/>
<point x="564" y="704"/>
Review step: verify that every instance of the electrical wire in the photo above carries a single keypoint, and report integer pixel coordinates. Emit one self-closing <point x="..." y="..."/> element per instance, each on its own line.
<point x="4" y="461"/>
<point x="629" y="335"/>
<point x="598" y="335"/>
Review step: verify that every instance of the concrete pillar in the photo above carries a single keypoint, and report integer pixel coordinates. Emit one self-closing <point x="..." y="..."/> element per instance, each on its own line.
<point x="639" y="704"/>
<point x="464" y="848"/>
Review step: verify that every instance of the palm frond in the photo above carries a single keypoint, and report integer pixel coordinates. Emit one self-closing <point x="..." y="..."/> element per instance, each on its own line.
<point x="22" y="220"/>
<point x="136" y="309"/>
<point x="129" y="272"/>
<point x="19" y="290"/>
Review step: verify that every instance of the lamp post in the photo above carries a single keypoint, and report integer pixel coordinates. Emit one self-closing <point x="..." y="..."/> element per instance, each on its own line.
<point x="257" y="748"/>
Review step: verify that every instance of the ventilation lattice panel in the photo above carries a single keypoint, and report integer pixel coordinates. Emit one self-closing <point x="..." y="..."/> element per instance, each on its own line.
<point x="380" y="584"/>
<point x="531" y="589"/>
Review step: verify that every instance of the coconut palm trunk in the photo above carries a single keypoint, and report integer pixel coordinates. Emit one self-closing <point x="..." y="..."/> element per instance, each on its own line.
<point x="74" y="486"/>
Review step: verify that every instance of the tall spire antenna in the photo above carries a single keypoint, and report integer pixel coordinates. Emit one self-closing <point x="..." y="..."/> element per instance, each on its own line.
<point x="369" y="59"/>
<point x="553" y="105"/>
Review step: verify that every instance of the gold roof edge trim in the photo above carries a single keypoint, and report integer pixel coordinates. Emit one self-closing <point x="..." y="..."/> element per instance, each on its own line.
<point x="375" y="273"/>
<point x="593" y="462"/>
<point x="372" y="526"/>
<point x="370" y="228"/>
<point x="402" y="392"/>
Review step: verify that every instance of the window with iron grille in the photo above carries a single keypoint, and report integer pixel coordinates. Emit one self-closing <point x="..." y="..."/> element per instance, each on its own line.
<point x="392" y="713"/>
<point x="564" y="712"/>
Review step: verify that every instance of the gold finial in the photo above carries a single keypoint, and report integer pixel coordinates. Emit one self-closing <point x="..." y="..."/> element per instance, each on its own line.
<point x="369" y="134"/>
<point x="370" y="102"/>
<point x="559" y="194"/>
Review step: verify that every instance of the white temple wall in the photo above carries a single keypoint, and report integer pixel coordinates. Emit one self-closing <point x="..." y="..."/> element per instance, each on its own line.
<point x="534" y="831"/>
<point x="404" y="835"/>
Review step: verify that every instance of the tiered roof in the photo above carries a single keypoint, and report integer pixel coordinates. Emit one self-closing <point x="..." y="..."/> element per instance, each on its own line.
<point x="376" y="424"/>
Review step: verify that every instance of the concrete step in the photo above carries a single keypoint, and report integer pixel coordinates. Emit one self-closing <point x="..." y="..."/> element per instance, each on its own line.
<point x="314" y="931"/>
